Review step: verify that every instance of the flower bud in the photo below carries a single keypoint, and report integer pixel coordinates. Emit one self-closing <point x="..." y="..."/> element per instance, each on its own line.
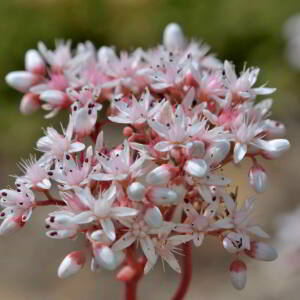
<point x="136" y="191"/>
<point x="258" y="178"/>
<point x="105" y="257"/>
<point x="162" y="174"/>
<point x="195" y="149"/>
<point x="21" y="80"/>
<point x="196" y="167"/>
<point x="11" y="225"/>
<point x="238" y="274"/>
<point x="126" y="274"/>
<point x="71" y="264"/>
<point x="161" y="196"/>
<point x="261" y="251"/>
<point x="173" y="37"/>
<point x="105" y="54"/>
<point x="29" y="103"/>
<point x="217" y="152"/>
<point x="274" y="129"/>
<point x="153" y="217"/>
<point x="55" y="97"/>
<point x="34" y="63"/>
<point x="274" y="148"/>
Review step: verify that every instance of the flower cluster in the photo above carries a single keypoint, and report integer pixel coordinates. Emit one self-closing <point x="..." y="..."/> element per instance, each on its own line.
<point x="185" y="114"/>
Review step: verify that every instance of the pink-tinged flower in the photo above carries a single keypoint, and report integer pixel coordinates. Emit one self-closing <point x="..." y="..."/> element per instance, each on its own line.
<point x="55" y="145"/>
<point x="138" y="111"/>
<point x="18" y="207"/>
<point x="245" y="132"/>
<point x="169" y="73"/>
<point x="258" y="178"/>
<point x="120" y="165"/>
<point x="102" y="210"/>
<point x="243" y="86"/>
<point x="71" y="264"/>
<point x="238" y="274"/>
<point x="35" y="173"/>
<point x="60" y="58"/>
<point x="85" y="96"/>
<point x="180" y="131"/>
<point x="261" y="251"/>
<point x="165" y="246"/>
<point x="140" y="229"/>
<point x="122" y="70"/>
<point x="204" y="184"/>
<point x="72" y="173"/>
<point x="198" y="224"/>
<point x="241" y="221"/>
<point x="85" y="118"/>
<point x="29" y="103"/>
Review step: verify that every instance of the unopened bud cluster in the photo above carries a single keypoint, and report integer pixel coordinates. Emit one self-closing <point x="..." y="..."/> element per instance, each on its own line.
<point x="186" y="115"/>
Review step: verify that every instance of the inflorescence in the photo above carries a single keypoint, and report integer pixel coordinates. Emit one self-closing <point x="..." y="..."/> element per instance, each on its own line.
<point x="184" y="114"/>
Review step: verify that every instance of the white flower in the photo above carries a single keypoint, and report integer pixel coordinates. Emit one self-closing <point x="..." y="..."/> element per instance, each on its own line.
<point x="102" y="210"/>
<point x="55" y="145"/>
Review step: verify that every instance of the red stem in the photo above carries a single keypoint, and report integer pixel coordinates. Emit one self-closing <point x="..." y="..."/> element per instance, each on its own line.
<point x="50" y="202"/>
<point x="187" y="272"/>
<point x="138" y="265"/>
<point x="131" y="288"/>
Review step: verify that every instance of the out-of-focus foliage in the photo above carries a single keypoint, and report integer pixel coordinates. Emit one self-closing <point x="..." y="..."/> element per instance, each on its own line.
<point x="242" y="31"/>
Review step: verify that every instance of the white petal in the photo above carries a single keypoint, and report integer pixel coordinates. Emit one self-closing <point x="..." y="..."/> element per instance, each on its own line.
<point x="196" y="167"/>
<point x="238" y="274"/>
<point x="173" y="37"/>
<point x="21" y="80"/>
<point x="163" y="146"/>
<point x="240" y="151"/>
<point x="136" y="191"/>
<point x="123" y="211"/>
<point x="84" y="217"/>
<point x="148" y="248"/>
<point x="153" y="217"/>
<point x="109" y="228"/>
<point x="198" y="239"/>
<point x="125" y="241"/>
<point x="105" y="257"/>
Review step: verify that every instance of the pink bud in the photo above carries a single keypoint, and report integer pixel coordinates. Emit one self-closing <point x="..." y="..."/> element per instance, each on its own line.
<point x="21" y="80"/>
<point x="162" y="174"/>
<point x="29" y="103"/>
<point x="71" y="264"/>
<point x="126" y="274"/>
<point x="127" y="131"/>
<point x="261" y="251"/>
<point x="34" y="62"/>
<point x="238" y="274"/>
<point x="258" y="178"/>
<point x="11" y="225"/>
<point x="173" y="37"/>
<point x="161" y="195"/>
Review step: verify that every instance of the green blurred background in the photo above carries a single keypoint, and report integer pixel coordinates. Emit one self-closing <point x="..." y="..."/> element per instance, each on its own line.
<point x="240" y="31"/>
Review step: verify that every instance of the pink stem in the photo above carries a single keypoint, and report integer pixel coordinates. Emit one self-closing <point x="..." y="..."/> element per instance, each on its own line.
<point x="187" y="272"/>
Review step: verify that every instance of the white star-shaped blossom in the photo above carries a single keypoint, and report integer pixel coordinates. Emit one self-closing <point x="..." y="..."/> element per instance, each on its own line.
<point x="120" y="165"/>
<point x="178" y="133"/>
<point x="55" y="145"/>
<point x="138" y="112"/>
<point x="102" y="210"/>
